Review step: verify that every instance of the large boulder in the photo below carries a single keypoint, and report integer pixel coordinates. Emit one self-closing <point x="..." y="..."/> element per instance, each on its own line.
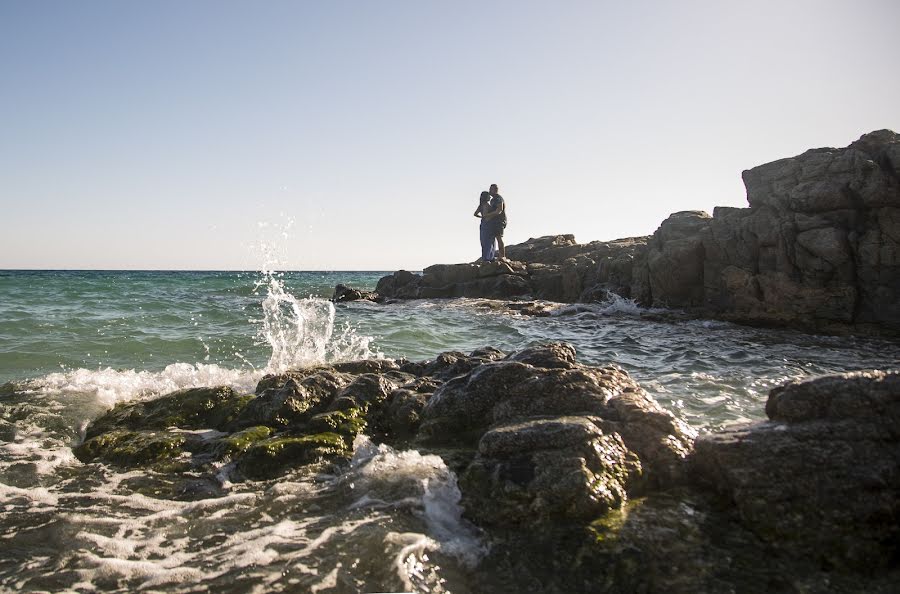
<point x="553" y="439"/>
<point x="563" y="467"/>
<point x="674" y="260"/>
<point x="821" y="479"/>
<point x="819" y="246"/>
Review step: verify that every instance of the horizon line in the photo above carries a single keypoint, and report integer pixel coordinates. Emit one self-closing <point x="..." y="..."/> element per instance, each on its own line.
<point x="178" y="270"/>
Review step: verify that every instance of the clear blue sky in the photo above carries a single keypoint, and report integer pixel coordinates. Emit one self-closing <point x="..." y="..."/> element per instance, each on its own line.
<point x="162" y="134"/>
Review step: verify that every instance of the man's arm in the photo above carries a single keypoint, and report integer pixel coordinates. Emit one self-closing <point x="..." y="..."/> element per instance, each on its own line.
<point x="496" y="212"/>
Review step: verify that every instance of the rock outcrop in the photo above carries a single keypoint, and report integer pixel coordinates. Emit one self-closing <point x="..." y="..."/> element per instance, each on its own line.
<point x="535" y="434"/>
<point x="817" y="249"/>
<point x="569" y="465"/>
<point x="821" y="480"/>
<point x="344" y="293"/>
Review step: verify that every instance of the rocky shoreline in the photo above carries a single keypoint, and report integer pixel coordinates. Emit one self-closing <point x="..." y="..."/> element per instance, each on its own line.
<point x="577" y="478"/>
<point x="817" y="249"/>
<point x="580" y="480"/>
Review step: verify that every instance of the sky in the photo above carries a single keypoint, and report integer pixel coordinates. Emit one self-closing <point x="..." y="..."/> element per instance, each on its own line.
<point x="358" y="135"/>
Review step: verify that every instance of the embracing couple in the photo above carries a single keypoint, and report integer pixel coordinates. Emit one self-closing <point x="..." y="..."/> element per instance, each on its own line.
<point x="492" y="211"/>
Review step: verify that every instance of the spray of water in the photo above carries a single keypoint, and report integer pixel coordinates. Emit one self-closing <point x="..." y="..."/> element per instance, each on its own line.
<point x="301" y="332"/>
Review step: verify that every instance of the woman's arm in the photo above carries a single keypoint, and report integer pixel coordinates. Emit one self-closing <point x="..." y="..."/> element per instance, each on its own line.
<point x="494" y="213"/>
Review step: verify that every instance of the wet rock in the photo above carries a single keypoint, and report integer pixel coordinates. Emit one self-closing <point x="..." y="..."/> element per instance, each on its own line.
<point x="368" y="390"/>
<point x="591" y="429"/>
<point x="343" y="293"/>
<point x="821" y="480"/>
<point x="347" y="423"/>
<point x="364" y="366"/>
<point x="133" y="448"/>
<point x="547" y="469"/>
<point x="555" y="355"/>
<point x="403" y="411"/>
<point x="194" y="408"/>
<point x="275" y="456"/>
<point x="290" y="398"/>
<point x="453" y="363"/>
<point x="400" y="285"/>
<point x="239" y="442"/>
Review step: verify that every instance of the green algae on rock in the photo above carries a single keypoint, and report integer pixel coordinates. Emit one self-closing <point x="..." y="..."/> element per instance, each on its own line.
<point x="193" y="408"/>
<point x="240" y="442"/>
<point x="272" y="457"/>
<point x="132" y="448"/>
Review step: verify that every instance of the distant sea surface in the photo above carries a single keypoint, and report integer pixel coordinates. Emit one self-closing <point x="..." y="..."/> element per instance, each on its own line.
<point x="74" y="343"/>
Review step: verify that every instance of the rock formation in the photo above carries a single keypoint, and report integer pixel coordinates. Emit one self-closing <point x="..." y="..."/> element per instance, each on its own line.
<point x="822" y="479"/>
<point x="818" y="249"/>
<point x="583" y="482"/>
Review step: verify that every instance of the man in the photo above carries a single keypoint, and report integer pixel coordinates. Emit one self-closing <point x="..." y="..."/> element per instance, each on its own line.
<point x="495" y="219"/>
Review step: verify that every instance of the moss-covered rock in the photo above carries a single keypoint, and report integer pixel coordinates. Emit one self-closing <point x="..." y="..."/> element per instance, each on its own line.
<point x="240" y="442"/>
<point x="348" y="423"/>
<point x="275" y="456"/>
<point x="133" y="448"/>
<point x="289" y="399"/>
<point x="193" y="408"/>
<point x="547" y="470"/>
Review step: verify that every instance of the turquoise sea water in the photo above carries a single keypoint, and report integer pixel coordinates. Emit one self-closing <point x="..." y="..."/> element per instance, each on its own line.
<point x="72" y="344"/>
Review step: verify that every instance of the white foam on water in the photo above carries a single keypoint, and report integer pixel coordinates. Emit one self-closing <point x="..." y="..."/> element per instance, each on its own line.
<point x="34" y="497"/>
<point x="614" y="305"/>
<point x="385" y="477"/>
<point x="110" y="386"/>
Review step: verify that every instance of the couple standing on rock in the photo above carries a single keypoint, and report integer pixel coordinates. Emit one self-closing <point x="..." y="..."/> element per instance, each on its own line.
<point x="492" y="211"/>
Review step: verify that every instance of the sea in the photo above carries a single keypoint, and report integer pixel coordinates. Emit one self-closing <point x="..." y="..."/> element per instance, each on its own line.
<point x="75" y="343"/>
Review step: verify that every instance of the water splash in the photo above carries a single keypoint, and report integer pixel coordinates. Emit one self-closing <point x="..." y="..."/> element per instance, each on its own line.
<point x="613" y="305"/>
<point x="300" y="332"/>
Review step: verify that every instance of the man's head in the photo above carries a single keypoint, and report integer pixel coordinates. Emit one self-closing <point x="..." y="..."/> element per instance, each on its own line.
<point x="494" y="189"/>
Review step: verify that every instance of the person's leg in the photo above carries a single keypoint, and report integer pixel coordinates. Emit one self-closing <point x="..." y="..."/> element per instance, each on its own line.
<point x="501" y="249"/>
<point x="487" y="243"/>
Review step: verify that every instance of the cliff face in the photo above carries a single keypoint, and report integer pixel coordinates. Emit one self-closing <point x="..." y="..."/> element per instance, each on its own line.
<point x="819" y="244"/>
<point x="817" y="248"/>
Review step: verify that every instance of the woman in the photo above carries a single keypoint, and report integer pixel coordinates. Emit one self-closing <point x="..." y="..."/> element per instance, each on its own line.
<point x="486" y="230"/>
